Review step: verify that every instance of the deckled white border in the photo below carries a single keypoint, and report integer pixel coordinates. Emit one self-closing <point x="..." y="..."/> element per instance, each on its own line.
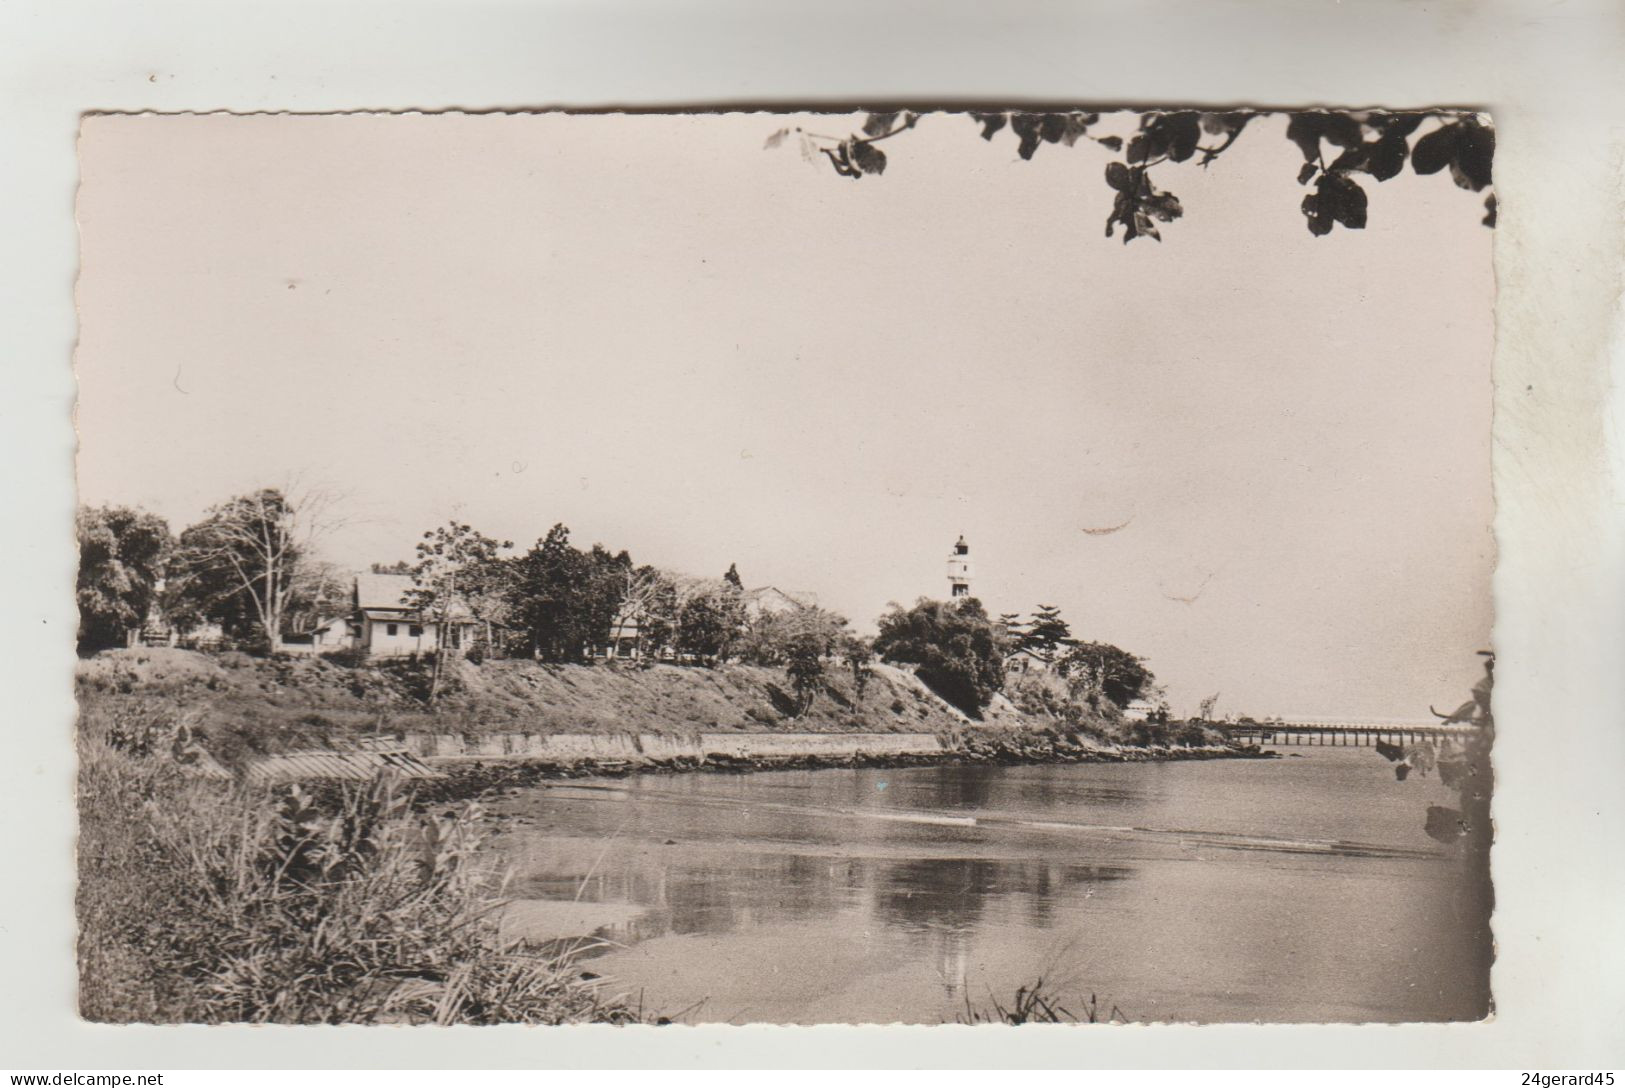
<point x="1550" y="75"/>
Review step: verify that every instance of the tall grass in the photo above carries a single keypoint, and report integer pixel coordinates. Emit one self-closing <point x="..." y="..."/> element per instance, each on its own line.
<point x="211" y="902"/>
<point x="1040" y="1003"/>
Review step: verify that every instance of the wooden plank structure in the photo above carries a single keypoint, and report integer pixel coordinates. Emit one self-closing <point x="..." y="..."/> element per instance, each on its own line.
<point x="1340" y="734"/>
<point x="328" y="765"/>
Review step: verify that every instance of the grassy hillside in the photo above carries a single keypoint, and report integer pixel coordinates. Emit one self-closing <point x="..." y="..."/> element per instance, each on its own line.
<point x="241" y="705"/>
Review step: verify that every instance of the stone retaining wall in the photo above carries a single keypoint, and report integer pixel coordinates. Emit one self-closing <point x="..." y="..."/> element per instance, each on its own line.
<point x="569" y="748"/>
<point x="788" y="745"/>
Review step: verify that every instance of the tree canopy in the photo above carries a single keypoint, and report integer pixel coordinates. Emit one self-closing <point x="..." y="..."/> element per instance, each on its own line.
<point x="957" y="650"/>
<point x="566" y="600"/>
<point x="709" y="615"/>
<point x="804" y="662"/>
<point x="1046" y="635"/>
<point x="1100" y="670"/>
<point x="458" y="569"/>
<point x="122" y="553"/>
<point x="246" y="563"/>
<point x="767" y="637"/>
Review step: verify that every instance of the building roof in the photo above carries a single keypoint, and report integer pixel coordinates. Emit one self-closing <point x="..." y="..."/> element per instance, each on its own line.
<point x="457" y="618"/>
<point x="388" y="593"/>
<point x="773" y="598"/>
<point x="382" y="590"/>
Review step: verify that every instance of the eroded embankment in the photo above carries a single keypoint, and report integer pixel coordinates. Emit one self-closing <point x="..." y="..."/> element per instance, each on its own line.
<point x="517" y="760"/>
<point x="508" y="721"/>
<point x="241" y="707"/>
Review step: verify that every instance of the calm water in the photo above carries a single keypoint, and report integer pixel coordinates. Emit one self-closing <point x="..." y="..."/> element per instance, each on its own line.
<point x="1295" y="889"/>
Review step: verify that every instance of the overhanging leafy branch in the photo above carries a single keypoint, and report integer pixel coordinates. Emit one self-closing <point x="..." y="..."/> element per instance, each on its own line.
<point x="1373" y="145"/>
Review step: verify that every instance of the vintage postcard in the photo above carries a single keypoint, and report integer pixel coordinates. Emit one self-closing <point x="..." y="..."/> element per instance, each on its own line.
<point x="995" y="566"/>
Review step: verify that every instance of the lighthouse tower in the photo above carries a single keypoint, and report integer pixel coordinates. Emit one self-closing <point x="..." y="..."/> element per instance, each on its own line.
<point x="959" y="571"/>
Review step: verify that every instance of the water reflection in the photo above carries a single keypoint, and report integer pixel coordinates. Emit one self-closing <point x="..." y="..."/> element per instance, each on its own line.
<point x="1291" y="891"/>
<point x="919" y="895"/>
<point x="957" y="892"/>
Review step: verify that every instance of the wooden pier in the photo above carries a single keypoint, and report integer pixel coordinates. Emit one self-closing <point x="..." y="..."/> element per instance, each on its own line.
<point x="1339" y="734"/>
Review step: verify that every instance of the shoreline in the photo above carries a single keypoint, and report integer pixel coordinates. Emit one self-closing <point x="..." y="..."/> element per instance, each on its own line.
<point x="469" y="778"/>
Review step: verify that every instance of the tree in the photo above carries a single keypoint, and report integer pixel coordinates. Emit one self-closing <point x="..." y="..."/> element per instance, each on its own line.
<point x="322" y="590"/>
<point x="732" y="577"/>
<point x="492" y="600"/>
<point x="457" y="569"/>
<point x="1097" y="670"/>
<point x="804" y="662"/>
<point x="642" y="593"/>
<point x="858" y="653"/>
<point x="709" y="614"/>
<point x="605" y="592"/>
<point x="548" y="588"/>
<point x="1047" y="635"/>
<point x="122" y="553"/>
<point x="400" y="566"/>
<point x="766" y="638"/>
<point x="801" y="640"/>
<point x="196" y="593"/>
<point x="657" y="627"/>
<point x="242" y="565"/>
<point x="567" y="599"/>
<point x="1339" y="150"/>
<point x="956" y="650"/>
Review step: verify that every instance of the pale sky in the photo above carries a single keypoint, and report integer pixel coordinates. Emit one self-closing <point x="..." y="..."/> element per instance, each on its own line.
<point x="677" y="342"/>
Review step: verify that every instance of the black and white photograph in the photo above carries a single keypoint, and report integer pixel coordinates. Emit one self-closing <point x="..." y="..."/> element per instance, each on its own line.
<point x="894" y="566"/>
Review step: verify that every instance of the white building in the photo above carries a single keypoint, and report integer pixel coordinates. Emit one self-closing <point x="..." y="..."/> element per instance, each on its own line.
<point x="386" y="625"/>
<point x="959" y="570"/>
<point x="1138" y="710"/>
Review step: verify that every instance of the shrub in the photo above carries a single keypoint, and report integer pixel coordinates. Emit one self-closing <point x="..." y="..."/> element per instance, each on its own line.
<point x="348" y="657"/>
<point x="1148" y="733"/>
<point x="206" y="903"/>
<point x="1040" y="1003"/>
<point x="859" y="655"/>
<point x="1192" y="734"/>
<point x="1040" y="693"/>
<point x="415" y="675"/>
<point x="805" y="666"/>
<point x="143" y="730"/>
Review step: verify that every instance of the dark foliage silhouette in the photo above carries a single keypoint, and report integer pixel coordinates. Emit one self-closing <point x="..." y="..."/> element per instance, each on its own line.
<point x="1340" y="151"/>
